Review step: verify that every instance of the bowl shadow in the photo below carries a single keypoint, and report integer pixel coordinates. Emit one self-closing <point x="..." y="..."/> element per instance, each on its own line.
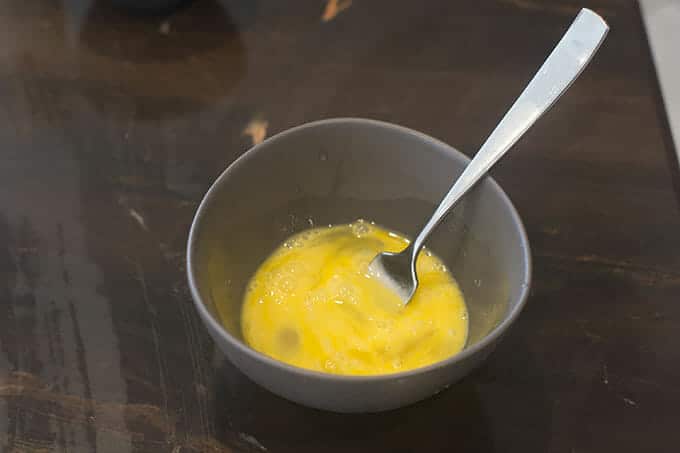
<point x="245" y="410"/>
<point x="473" y="415"/>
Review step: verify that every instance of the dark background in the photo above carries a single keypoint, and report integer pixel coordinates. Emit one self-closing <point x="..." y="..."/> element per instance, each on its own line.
<point x="112" y="127"/>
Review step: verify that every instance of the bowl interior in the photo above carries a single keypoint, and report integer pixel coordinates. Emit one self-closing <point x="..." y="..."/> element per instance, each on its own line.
<point x="336" y="171"/>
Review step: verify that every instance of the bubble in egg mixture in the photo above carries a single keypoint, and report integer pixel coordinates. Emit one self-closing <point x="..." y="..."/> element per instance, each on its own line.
<point x="360" y="227"/>
<point x="313" y="304"/>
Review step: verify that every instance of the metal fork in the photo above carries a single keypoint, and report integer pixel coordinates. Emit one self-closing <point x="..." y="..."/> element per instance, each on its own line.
<point x="571" y="55"/>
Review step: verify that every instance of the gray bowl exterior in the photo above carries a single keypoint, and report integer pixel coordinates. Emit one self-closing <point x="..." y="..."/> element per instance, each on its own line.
<point x="335" y="171"/>
<point x="353" y="395"/>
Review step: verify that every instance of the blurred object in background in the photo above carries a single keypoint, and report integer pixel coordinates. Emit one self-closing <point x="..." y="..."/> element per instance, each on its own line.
<point x="662" y="21"/>
<point x="154" y="7"/>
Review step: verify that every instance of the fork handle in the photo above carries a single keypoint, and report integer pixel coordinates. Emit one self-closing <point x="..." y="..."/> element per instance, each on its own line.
<point x="564" y="64"/>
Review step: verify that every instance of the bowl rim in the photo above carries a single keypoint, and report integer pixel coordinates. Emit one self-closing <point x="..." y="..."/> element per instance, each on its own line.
<point x="243" y="348"/>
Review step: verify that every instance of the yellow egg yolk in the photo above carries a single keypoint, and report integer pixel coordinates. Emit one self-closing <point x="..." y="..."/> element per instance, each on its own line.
<point x="314" y="304"/>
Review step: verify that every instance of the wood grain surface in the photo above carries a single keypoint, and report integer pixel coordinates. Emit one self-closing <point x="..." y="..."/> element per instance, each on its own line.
<point x="113" y="125"/>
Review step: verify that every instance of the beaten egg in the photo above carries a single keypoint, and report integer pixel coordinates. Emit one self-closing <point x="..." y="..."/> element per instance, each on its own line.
<point x="314" y="304"/>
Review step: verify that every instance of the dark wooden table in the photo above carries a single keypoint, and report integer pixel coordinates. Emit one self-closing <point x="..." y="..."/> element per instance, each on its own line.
<point x="112" y="127"/>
